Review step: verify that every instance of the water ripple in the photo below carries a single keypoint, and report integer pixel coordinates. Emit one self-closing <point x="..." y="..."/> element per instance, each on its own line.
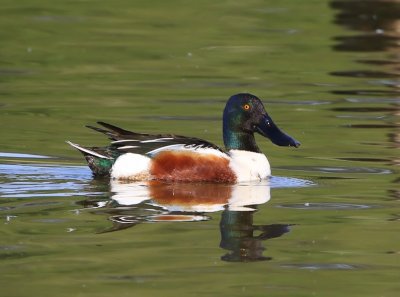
<point x="289" y="182"/>
<point x="28" y="181"/>
<point x="24" y="156"/>
<point x="322" y="266"/>
<point x="324" y="206"/>
<point x="326" y="169"/>
<point x="43" y="172"/>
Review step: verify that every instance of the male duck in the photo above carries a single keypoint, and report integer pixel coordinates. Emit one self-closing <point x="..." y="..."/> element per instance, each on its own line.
<point x="137" y="156"/>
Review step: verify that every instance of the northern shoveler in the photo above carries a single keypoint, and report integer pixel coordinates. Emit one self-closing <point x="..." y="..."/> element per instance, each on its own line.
<point x="137" y="156"/>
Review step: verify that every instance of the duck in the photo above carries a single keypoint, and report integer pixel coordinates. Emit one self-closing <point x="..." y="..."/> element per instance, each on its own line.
<point x="133" y="156"/>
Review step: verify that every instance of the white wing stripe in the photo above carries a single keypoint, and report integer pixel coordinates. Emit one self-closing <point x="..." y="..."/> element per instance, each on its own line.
<point x="190" y="148"/>
<point x="157" y="140"/>
<point x="127" y="147"/>
<point x="123" y="140"/>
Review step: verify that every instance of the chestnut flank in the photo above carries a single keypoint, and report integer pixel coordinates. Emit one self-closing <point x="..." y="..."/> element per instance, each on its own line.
<point x="191" y="167"/>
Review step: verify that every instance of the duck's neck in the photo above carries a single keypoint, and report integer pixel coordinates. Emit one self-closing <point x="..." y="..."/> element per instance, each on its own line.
<point x="235" y="140"/>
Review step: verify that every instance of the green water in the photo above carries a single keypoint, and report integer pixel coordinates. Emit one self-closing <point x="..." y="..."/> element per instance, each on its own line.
<point x="328" y="73"/>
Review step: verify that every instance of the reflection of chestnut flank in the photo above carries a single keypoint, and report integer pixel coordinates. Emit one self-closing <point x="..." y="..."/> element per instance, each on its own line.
<point x="189" y="193"/>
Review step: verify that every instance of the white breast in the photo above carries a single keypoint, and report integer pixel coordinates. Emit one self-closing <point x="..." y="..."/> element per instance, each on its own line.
<point x="249" y="166"/>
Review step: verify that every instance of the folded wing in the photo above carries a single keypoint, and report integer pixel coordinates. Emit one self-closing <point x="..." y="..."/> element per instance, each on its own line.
<point x="125" y="141"/>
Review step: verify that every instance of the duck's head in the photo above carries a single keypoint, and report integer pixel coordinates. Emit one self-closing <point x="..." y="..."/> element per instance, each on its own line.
<point x="245" y="114"/>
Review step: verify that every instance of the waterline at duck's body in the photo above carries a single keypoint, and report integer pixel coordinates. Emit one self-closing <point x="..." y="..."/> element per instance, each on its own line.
<point x="194" y="166"/>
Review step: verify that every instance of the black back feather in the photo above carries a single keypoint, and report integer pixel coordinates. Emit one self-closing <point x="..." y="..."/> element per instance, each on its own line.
<point x="142" y="143"/>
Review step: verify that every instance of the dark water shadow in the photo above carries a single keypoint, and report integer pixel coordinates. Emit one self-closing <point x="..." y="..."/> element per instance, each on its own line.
<point x="376" y="20"/>
<point x="374" y="33"/>
<point x="376" y="92"/>
<point x="365" y="74"/>
<point x="375" y="27"/>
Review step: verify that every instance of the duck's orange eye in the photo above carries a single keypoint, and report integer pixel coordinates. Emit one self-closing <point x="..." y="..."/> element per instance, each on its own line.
<point x="246" y="107"/>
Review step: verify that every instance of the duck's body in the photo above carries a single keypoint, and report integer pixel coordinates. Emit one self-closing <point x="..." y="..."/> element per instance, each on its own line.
<point x="193" y="165"/>
<point x="137" y="156"/>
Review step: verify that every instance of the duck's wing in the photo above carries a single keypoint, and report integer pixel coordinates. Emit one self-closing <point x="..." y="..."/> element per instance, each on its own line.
<point x="126" y="141"/>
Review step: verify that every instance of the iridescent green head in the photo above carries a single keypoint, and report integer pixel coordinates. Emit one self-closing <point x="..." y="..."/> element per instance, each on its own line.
<point x="245" y="114"/>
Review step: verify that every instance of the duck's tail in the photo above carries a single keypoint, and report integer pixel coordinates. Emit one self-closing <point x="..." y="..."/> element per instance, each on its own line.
<point x="97" y="158"/>
<point x="88" y="151"/>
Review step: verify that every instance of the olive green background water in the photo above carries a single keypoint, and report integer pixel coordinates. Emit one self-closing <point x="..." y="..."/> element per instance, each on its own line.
<point x="328" y="73"/>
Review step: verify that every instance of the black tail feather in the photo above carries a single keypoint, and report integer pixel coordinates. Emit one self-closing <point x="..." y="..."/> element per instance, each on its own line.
<point x="98" y="129"/>
<point x="113" y="132"/>
<point x="114" y="128"/>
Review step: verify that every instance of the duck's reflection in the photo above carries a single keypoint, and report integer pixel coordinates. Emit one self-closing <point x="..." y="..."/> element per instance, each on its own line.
<point x="135" y="203"/>
<point x="238" y="236"/>
<point x="191" y="197"/>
